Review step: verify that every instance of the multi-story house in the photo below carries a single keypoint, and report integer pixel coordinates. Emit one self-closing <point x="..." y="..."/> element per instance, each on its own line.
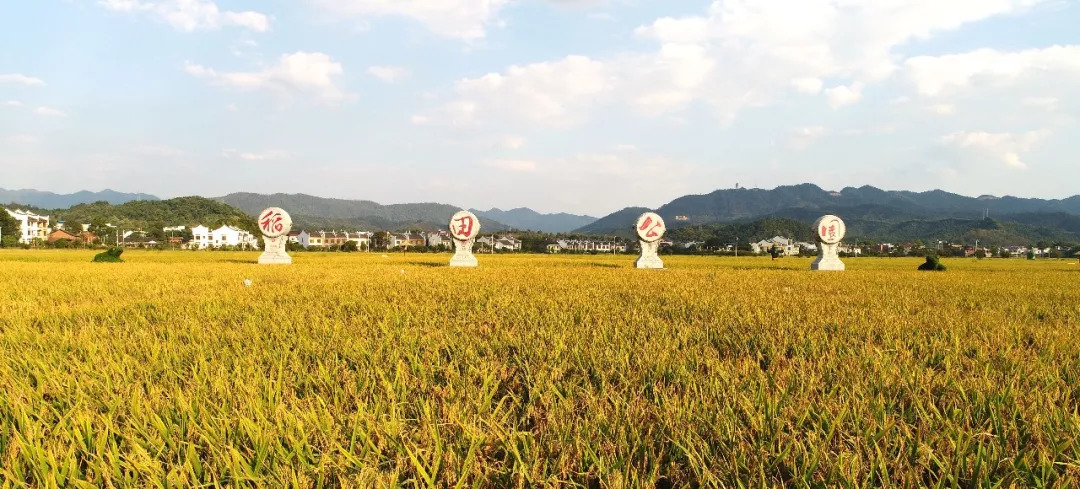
<point x="362" y="239"/>
<point x="202" y="238"/>
<point x="31" y="226"/>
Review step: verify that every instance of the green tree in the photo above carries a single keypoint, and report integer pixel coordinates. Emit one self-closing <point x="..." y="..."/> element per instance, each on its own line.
<point x="9" y="230"/>
<point x="100" y="228"/>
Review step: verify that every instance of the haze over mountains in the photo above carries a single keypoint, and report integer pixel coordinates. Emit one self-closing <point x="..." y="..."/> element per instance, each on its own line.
<point x="50" y="200"/>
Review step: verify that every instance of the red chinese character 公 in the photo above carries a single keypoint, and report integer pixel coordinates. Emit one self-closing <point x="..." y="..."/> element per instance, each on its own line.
<point x="652" y="233"/>
<point x="645" y="225"/>
<point x="272" y="222"/>
<point x="465" y="226"/>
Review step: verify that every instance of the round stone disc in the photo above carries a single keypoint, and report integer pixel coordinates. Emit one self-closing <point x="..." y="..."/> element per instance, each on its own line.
<point x="274" y="222"/>
<point x="650" y="227"/>
<point x="464" y="226"/>
<point x="830" y="229"/>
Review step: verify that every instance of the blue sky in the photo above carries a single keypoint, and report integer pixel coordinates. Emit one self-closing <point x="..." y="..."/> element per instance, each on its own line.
<point x="582" y="106"/>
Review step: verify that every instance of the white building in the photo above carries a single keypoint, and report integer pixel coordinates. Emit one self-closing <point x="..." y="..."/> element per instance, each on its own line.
<point x="585" y="245"/>
<point x="362" y="239"/>
<point x="785" y="246"/>
<point x="202" y="238"/>
<point x="301" y="238"/>
<point x="505" y="243"/>
<point x="31" y="226"/>
<point x="440" y="239"/>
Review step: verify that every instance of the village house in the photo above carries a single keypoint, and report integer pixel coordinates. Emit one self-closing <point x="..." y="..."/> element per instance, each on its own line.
<point x="333" y="239"/>
<point x="60" y="234"/>
<point x="31" y="226"/>
<point x="301" y="238"/>
<point x="505" y="243"/>
<point x="591" y="246"/>
<point x="203" y="238"/>
<point x="407" y="240"/>
<point x="784" y="246"/>
<point x="440" y="239"/>
<point x="362" y="239"/>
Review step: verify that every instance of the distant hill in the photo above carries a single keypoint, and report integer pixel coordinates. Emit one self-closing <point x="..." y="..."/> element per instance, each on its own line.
<point x="988" y="232"/>
<point x="310" y="212"/>
<point x="528" y="219"/>
<point x="50" y="200"/>
<point x="151" y="214"/>
<point x="870" y="212"/>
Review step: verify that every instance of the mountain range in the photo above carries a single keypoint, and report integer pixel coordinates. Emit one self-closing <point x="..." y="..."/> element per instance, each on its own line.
<point x="310" y="212"/>
<point x="524" y="218"/>
<point x="50" y="200"/>
<point x="870" y="213"/>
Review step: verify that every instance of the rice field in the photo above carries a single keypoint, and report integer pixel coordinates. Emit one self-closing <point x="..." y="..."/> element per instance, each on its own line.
<point x="364" y="370"/>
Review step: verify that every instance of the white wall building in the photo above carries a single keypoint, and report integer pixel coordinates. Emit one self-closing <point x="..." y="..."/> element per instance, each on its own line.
<point x="301" y="238"/>
<point x="31" y="226"/>
<point x="362" y="239"/>
<point x="202" y="238"/>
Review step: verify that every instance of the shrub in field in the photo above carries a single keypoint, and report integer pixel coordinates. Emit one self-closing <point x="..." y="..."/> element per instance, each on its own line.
<point x="933" y="264"/>
<point x="110" y="256"/>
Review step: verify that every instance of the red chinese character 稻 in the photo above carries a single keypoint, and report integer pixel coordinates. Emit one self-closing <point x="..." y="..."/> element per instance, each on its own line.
<point x="272" y="222"/>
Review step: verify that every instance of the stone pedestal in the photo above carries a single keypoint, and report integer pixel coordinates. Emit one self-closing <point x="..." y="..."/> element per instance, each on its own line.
<point x="275" y="225"/>
<point x="828" y="258"/>
<point x="463" y="255"/>
<point x="649" y="257"/>
<point x="275" y="253"/>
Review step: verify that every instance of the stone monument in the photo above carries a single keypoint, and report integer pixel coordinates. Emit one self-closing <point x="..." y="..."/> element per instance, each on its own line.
<point x="464" y="228"/>
<point x="830" y="231"/>
<point x="649" y="228"/>
<point x="275" y="225"/>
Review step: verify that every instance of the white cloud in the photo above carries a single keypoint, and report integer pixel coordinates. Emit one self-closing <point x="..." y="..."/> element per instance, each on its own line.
<point x="513" y="142"/>
<point x="803" y="137"/>
<point x="737" y="54"/>
<point x="942" y="109"/>
<point x="255" y="156"/>
<point x="808" y="85"/>
<point x="50" y="112"/>
<point x="13" y="104"/>
<point x="1049" y="104"/>
<point x="22" y="139"/>
<point x="419" y="120"/>
<point x="21" y="79"/>
<point x="547" y="93"/>
<point x="844" y="95"/>
<point x="1005" y="148"/>
<point x="514" y="165"/>
<point x="156" y="150"/>
<point x="309" y="74"/>
<point x="192" y="15"/>
<point x="389" y="74"/>
<point x="942" y="75"/>
<point x="464" y="19"/>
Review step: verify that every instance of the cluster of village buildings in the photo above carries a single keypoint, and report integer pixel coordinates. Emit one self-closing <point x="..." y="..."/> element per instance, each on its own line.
<point x="36" y="228"/>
